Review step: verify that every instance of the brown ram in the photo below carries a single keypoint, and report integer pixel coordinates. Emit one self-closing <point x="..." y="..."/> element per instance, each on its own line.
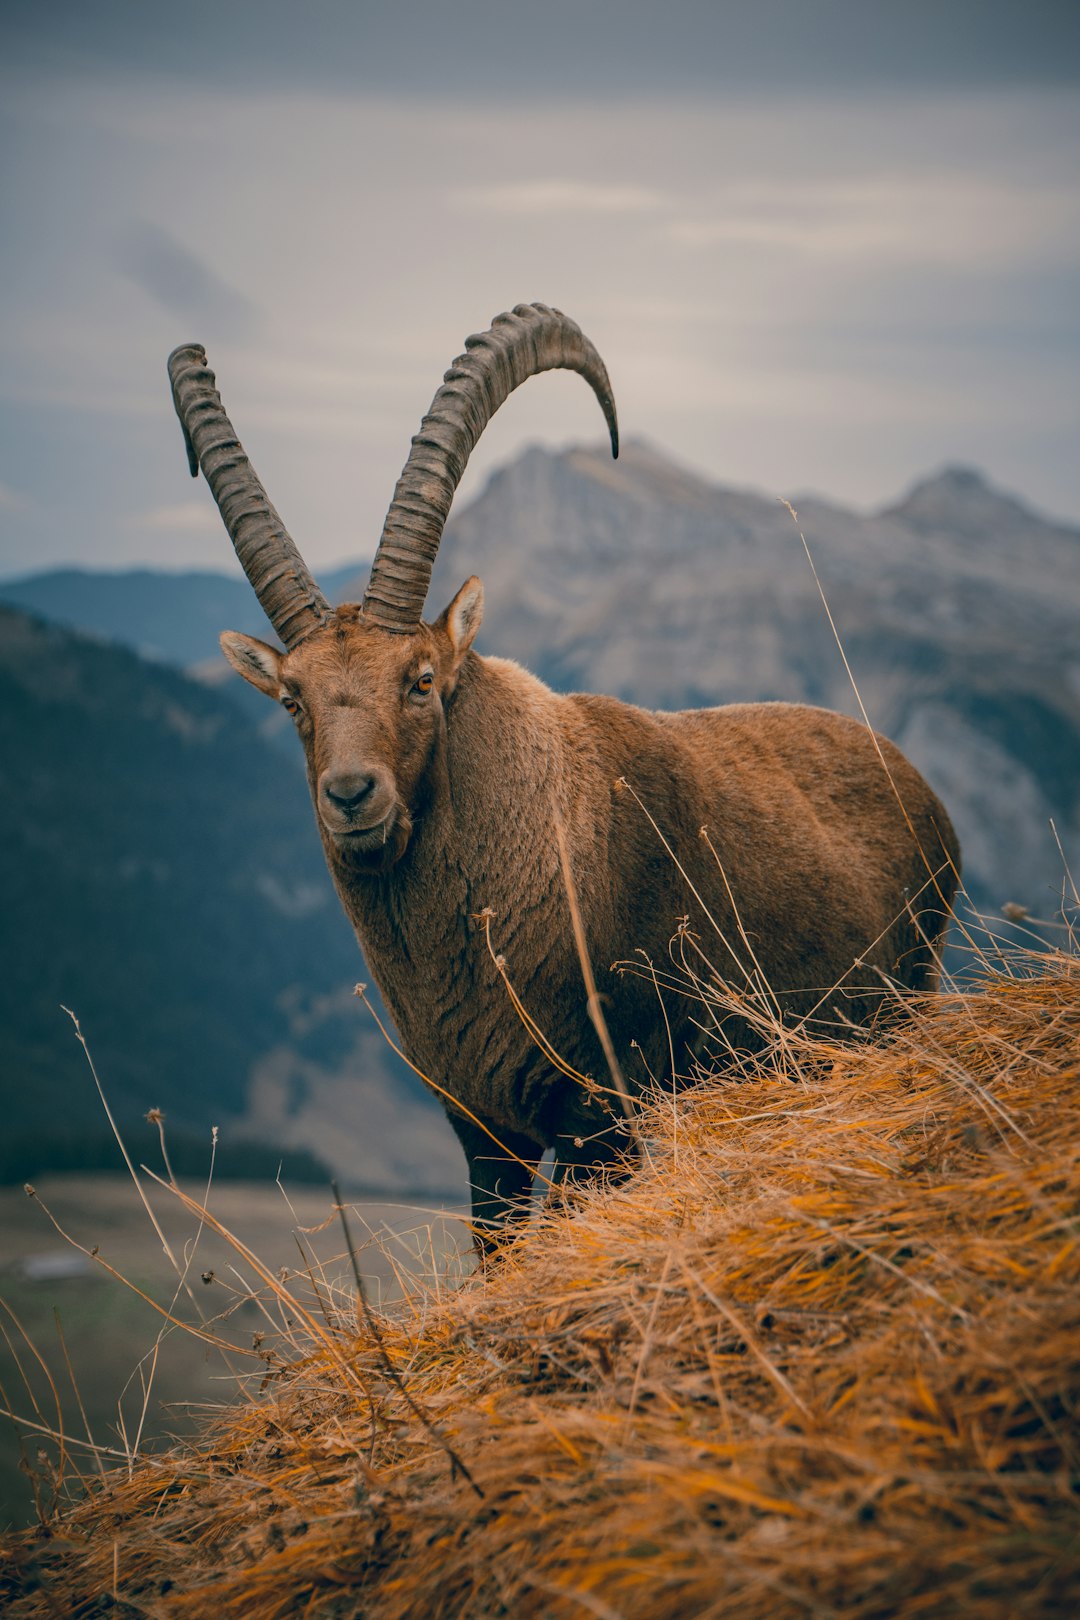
<point x="439" y="777"/>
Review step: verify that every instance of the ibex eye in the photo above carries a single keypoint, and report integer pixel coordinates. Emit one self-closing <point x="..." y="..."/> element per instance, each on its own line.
<point x="424" y="684"/>
<point x="290" y="705"/>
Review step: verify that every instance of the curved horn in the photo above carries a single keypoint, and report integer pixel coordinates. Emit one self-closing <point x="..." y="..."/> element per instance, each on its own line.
<point x="532" y="339"/>
<point x="289" y="596"/>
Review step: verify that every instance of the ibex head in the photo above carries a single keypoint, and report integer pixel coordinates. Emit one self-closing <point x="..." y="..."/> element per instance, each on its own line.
<point x="368" y="685"/>
<point x="369" y="708"/>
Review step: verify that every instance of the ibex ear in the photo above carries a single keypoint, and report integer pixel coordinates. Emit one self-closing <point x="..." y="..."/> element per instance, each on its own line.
<point x="254" y="660"/>
<point x="461" y="620"/>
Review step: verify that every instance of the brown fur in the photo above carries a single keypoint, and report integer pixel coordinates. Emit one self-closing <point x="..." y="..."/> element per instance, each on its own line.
<point x="830" y="876"/>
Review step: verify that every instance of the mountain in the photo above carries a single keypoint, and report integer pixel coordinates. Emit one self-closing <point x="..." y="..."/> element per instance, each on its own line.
<point x="957" y="607"/>
<point x="160" y="875"/>
<point x="960" y="501"/>
<point x="167" y="617"/>
<point x="171" y="617"/>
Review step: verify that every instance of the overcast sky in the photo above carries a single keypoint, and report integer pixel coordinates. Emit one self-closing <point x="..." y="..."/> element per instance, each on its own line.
<point x="822" y="246"/>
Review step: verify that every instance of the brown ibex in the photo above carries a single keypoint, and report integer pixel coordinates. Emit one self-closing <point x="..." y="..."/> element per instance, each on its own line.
<point x="439" y="778"/>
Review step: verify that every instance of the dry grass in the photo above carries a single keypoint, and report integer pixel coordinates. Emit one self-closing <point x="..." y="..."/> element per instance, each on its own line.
<point x="820" y="1356"/>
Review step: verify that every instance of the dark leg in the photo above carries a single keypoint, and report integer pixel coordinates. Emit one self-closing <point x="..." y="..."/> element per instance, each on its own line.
<point x="500" y="1184"/>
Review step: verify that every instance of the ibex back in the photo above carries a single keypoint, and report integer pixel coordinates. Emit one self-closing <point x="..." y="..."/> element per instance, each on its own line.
<point x="440" y="777"/>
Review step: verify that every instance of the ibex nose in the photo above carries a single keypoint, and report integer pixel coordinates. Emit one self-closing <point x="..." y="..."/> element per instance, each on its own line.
<point x="348" y="791"/>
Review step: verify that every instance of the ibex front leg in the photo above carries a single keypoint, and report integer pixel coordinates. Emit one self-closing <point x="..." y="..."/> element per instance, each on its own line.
<point x="500" y="1180"/>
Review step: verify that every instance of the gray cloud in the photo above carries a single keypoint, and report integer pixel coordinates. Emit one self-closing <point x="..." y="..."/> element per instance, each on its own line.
<point x="484" y="48"/>
<point x="180" y="282"/>
<point x="818" y="289"/>
<point x="538" y="198"/>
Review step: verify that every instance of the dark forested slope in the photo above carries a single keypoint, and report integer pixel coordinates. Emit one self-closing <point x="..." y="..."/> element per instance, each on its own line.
<point x="160" y="875"/>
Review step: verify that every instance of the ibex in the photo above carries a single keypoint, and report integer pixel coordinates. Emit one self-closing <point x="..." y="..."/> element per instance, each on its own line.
<point x="443" y="780"/>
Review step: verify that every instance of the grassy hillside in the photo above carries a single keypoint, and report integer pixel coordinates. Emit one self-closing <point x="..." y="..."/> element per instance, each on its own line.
<point x="820" y="1355"/>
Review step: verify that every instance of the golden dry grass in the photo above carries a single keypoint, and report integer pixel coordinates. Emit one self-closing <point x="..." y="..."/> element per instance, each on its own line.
<point x="820" y="1356"/>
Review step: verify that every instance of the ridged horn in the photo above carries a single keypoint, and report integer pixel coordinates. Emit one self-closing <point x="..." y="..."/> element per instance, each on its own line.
<point x="289" y="596"/>
<point x="531" y="339"/>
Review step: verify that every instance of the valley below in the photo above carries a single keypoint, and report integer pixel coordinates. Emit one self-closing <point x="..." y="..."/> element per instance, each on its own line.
<point x="124" y="1375"/>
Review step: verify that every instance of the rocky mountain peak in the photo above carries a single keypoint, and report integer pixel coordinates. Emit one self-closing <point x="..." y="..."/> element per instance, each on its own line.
<point x="960" y="500"/>
<point x="642" y="474"/>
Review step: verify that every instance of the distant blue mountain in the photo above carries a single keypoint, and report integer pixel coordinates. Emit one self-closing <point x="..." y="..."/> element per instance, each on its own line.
<point x="167" y="617"/>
